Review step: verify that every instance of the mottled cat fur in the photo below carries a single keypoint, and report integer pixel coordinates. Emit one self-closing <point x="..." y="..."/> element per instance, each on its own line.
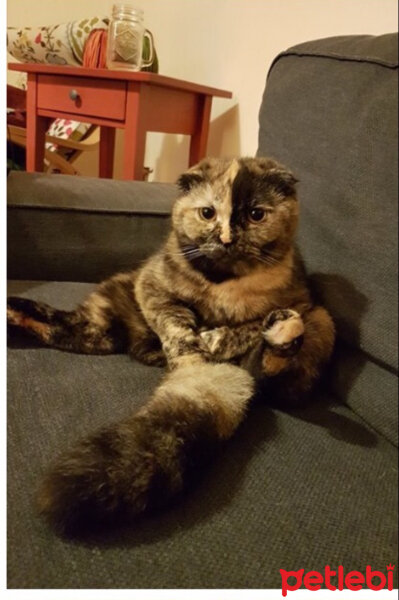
<point x="228" y="285"/>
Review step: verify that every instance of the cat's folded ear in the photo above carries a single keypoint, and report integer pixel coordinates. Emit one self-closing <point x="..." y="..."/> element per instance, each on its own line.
<point x="195" y="175"/>
<point x="189" y="179"/>
<point x="282" y="180"/>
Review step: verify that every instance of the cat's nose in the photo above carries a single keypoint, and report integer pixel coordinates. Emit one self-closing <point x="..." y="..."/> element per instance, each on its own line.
<point x="226" y="244"/>
<point x="225" y="236"/>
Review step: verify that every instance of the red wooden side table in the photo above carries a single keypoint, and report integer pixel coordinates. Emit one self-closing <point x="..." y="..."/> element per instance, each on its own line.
<point x="135" y="101"/>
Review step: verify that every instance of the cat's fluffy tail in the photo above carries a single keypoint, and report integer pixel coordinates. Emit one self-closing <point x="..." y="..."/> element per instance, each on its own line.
<point x="142" y="462"/>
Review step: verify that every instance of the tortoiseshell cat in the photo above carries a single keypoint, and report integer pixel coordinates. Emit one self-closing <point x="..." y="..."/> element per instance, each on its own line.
<point x="228" y="285"/>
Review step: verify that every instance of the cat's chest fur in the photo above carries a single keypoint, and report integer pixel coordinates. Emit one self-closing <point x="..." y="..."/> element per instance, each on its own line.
<point x="238" y="299"/>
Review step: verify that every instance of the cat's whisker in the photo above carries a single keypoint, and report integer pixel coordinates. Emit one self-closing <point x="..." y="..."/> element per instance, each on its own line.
<point x="272" y="256"/>
<point x="194" y="253"/>
<point x="271" y="260"/>
<point x="257" y="255"/>
<point x="186" y="252"/>
<point x="267" y="260"/>
<point x="276" y="257"/>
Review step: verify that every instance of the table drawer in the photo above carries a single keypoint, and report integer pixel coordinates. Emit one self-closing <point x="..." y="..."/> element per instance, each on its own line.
<point x="93" y="97"/>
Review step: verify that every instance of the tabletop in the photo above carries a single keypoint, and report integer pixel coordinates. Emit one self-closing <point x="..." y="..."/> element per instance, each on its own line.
<point x="139" y="76"/>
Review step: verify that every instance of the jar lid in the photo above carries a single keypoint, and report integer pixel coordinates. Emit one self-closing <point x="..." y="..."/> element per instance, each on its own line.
<point x="128" y="10"/>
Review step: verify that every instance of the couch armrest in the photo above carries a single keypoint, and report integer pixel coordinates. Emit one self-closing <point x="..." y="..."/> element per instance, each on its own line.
<point x="68" y="228"/>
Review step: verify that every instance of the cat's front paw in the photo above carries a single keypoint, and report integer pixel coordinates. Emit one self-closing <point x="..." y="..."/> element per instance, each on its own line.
<point x="283" y="331"/>
<point x="214" y="340"/>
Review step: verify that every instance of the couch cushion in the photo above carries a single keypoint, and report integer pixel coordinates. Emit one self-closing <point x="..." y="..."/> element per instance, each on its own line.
<point x="113" y="225"/>
<point x="330" y="112"/>
<point x="288" y="491"/>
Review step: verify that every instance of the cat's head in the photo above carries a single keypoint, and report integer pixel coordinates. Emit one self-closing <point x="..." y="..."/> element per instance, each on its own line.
<point x="236" y="210"/>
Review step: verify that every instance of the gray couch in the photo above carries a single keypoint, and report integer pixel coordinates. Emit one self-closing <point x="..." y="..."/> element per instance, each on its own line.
<point x="291" y="490"/>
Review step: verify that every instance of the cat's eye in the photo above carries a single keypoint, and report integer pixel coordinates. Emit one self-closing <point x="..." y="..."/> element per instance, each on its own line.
<point x="207" y="212"/>
<point x="257" y="214"/>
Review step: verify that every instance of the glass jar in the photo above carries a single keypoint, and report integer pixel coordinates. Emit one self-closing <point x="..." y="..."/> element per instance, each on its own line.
<point x="126" y="34"/>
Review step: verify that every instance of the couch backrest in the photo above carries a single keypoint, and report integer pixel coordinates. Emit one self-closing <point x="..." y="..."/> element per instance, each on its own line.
<point x="66" y="228"/>
<point x="329" y="112"/>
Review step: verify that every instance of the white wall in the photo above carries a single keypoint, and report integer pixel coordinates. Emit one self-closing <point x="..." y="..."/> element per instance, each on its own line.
<point x="222" y="43"/>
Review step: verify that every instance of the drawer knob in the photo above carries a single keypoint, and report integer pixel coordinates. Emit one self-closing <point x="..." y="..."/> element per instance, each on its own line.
<point x="74" y="95"/>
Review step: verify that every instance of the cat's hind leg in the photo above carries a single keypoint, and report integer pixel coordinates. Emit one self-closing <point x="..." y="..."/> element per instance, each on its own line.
<point x="84" y="330"/>
<point x="107" y="322"/>
<point x="295" y="353"/>
<point x="283" y="332"/>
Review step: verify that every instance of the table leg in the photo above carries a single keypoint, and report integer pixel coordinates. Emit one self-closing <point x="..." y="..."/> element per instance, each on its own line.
<point x="36" y="128"/>
<point x="107" y="145"/>
<point x="199" y="139"/>
<point x="135" y="133"/>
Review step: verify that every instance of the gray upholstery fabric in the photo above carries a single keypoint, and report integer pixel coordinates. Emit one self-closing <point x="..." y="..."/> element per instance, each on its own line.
<point x="296" y="490"/>
<point x="369" y="388"/>
<point x="289" y="491"/>
<point x="55" y="220"/>
<point x="330" y="112"/>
